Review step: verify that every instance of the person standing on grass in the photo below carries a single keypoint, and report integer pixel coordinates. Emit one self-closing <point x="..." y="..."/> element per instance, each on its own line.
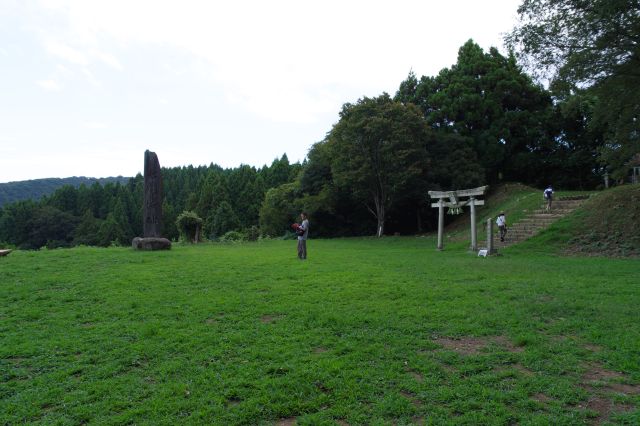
<point x="548" y="196"/>
<point x="501" y="221"/>
<point x="303" y="233"/>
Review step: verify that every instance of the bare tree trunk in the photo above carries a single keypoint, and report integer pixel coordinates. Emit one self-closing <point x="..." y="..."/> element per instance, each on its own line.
<point x="197" y="236"/>
<point x="380" y="217"/>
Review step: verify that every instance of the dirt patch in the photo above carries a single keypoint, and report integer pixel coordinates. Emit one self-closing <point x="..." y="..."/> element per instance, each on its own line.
<point x="320" y="350"/>
<point x="522" y="369"/>
<point x="540" y="397"/>
<point x="342" y="422"/>
<point x="215" y="318"/>
<point x="267" y="319"/>
<point x="322" y="387"/>
<point x="416" y="375"/>
<point x="232" y="402"/>
<point x="591" y="347"/>
<point x="449" y="368"/>
<point x="291" y="421"/>
<point x="462" y="345"/>
<point x="15" y="359"/>
<point x="412" y="398"/>
<point x="625" y="389"/>
<point x="597" y="380"/>
<point x="604" y="408"/>
<point x="596" y="373"/>
<point x="508" y="344"/>
<point x="597" y="376"/>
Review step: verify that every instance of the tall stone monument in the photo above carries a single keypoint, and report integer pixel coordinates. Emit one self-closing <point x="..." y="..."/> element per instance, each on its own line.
<point x="152" y="207"/>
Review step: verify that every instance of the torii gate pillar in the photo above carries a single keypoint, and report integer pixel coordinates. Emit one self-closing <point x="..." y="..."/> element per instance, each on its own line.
<point x="440" y="223"/>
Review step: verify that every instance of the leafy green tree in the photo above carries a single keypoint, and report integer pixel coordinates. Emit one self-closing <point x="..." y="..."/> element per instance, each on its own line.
<point x="110" y="232"/>
<point x="278" y="173"/>
<point x="15" y="223"/>
<point x="488" y="99"/>
<point x="333" y="211"/>
<point x="579" y="41"/>
<point x="278" y="210"/>
<point x="574" y="161"/>
<point x="589" y="44"/>
<point x="245" y="201"/>
<point x="120" y="216"/>
<point x="86" y="233"/>
<point x="455" y="164"/>
<point x="378" y="152"/>
<point x="65" y="199"/>
<point x="225" y="220"/>
<point x="50" y="227"/>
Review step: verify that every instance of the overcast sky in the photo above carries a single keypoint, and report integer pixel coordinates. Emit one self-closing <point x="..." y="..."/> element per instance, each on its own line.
<point x="87" y="86"/>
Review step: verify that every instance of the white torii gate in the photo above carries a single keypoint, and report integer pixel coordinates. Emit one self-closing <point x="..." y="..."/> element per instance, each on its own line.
<point x="455" y="205"/>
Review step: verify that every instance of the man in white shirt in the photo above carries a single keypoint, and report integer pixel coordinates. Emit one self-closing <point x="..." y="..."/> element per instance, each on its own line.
<point x="548" y="196"/>
<point x="501" y="221"/>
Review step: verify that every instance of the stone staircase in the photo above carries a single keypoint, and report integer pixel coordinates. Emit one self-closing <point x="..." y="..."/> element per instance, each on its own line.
<point x="538" y="220"/>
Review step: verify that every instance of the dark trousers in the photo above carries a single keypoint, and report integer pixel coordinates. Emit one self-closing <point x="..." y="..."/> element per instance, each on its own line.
<point x="503" y="232"/>
<point x="302" y="249"/>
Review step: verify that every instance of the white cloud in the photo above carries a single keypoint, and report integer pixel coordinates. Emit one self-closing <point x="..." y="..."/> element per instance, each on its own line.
<point x="95" y="125"/>
<point x="49" y="85"/>
<point x="286" y="60"/>
<point x="63" y="51"/>
<point x="108" y="59"/>
<point x="91" y="78"/>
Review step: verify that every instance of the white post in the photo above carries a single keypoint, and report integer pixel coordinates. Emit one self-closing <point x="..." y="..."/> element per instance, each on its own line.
<point x="474" y="236"/>
<point x="440" y="223"/>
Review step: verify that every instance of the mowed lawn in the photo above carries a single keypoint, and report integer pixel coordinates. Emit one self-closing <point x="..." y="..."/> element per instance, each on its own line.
<point x="366" y="331"/>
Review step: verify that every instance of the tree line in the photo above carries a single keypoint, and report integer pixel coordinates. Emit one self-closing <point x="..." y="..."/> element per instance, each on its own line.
<point x="484" y="120"/>
<point x="111" y="214"/>
<point x="35" y="189"/>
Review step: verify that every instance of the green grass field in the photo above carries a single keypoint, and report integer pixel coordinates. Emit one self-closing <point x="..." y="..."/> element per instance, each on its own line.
<point x="374" y="332"/>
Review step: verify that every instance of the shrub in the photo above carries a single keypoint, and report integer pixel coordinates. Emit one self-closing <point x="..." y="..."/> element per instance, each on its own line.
<point x="188" y="224"/>
<point x="232" y="236"/>
<point x="253" y="233"/>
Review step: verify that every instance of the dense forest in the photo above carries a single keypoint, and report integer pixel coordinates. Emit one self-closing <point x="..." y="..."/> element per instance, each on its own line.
<point x="35" y="189"/>
<point x="484" y="120"/>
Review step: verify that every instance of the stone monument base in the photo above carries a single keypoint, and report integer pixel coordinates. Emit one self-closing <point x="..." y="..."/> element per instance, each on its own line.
<point x="150" y="243"/>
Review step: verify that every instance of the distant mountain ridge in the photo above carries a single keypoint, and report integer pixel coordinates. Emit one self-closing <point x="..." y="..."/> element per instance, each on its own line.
<point x="37" y="188"/>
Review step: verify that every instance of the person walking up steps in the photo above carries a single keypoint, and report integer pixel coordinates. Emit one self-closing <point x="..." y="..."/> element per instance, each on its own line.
<point x="548" y="196"/>
<point x="501" y="221"/>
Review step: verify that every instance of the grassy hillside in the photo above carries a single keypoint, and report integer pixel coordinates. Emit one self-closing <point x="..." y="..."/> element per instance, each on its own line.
<point x="366" y="331"/>
<point x="515" y="199"/>
<point x="608" y="224"/>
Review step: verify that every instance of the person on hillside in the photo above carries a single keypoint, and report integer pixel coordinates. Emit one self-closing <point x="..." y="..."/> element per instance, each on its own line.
<point x="548" y="196"/>
<point x="501" y="221"/>
<point x="303" y="234"/>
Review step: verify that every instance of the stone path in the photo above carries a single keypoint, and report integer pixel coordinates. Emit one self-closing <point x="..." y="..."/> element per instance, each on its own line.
<point x="539" y="220"/>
